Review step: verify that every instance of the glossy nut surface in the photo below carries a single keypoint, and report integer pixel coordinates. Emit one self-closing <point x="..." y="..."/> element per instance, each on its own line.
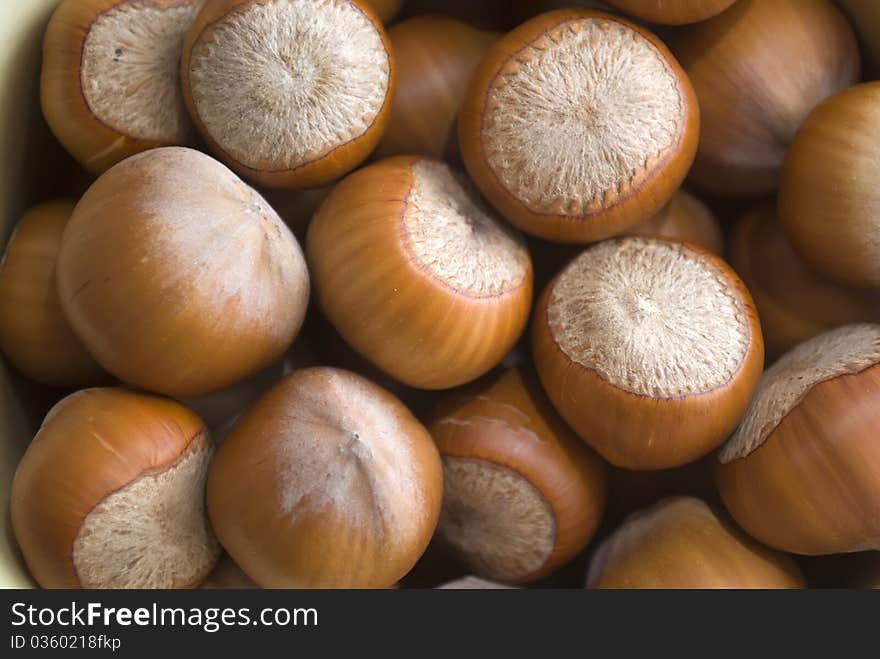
<point x="758" y="69"/>
<point x="794" y="303"/>
<point x="327" y="481"/>
<point x="671" y="12"/>
<point x="417" y="274"/>
<point x="34" y="333"/>
<point x="681" y="542"/>
<point x="828" y="195"/>
<point x="802" y="472"/>
<point x="436" y="57"/>
<point x="178" y="277"/>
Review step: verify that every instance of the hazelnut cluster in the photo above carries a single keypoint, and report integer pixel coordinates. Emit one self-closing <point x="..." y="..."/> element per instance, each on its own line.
<point x="461" y="295"/>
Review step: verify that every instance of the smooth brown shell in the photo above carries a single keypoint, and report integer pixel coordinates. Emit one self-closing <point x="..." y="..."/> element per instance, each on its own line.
<point x="794" y="303"/>
<point x="813" y="486"/>
<point x="671" y="12"/>
<point x="436" y="57"/>
<point x="319" y="542"/>
<point x="178" y="277"/>
<point x="828" y="199"/>
<point x="758" y="69"/>
<point x="683" y="543"/>
<point x="642" y="201"/>
<point x="390" y="308"/>
<point x="34" y="333"/>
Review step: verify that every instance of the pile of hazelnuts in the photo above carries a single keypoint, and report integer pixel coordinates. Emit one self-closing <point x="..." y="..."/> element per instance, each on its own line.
<point x="589" y="295"/>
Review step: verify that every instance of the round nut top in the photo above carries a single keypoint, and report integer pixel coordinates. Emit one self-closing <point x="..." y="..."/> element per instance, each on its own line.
<point x="653" y="317"/>
<point x="578" y="116"/>
<point x="278" y="84"/>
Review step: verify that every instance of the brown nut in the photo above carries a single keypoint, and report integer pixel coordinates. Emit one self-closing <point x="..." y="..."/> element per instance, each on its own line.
<point x="417" y="274"/>
<point x="830" y="188"/>
<point x="327" y="481"/>
<point x="178" y="277"/>
<point x="683" y="543"/>
<point x="110" y="83"/>
<point x="436" y="57"/>
<point x="578" y="125"/>
<point x="649" y="349"/>
<point x="671" y="12"/>
<point x="289" y="94"/>
<point x="758" y="69"/>
<point x="111" y="494"/>
<point x="521" y="494"/>
<point x="802" y="472"/>
<point x="794" y="303"/>
<point x="34" y="333"/>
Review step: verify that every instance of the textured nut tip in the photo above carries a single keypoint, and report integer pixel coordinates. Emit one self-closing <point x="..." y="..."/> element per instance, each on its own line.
<point x="653" y="317"/>
<point x="277" y="85"/>
<point x="495" y="518"/>
<point x="130" y="70"/>
<point x="577" y="119"/>
<point x="454" y="235"/>
<point x="153" y="532"/>
<point x="843" y="351"/>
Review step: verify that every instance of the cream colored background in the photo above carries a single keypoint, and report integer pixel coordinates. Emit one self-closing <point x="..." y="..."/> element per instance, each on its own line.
<point x="23" y="167"/>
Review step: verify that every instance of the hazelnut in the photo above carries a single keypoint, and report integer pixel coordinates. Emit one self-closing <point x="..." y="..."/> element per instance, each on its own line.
<point x="578" y="125"/>
<point x="179" y="278"/>
<point x="649" y="349"/>
<point x="289" y="94"/>
<point x="683" y="543"/>
<point x="802" y="472"/>
<point x="34" y="333"/>
<point x="111" y="494"/>
<point x="758" y="69"/>
<point x="829" y="188"/>
<point x="521" y="494"/>
<point x="794" y="303"/>
<point x="671" y="12"/>
<point x="110" y="83"/>
<point x="417" y="274"/>
<point x="327" y="481"/>
<point x="436" y="57"/>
